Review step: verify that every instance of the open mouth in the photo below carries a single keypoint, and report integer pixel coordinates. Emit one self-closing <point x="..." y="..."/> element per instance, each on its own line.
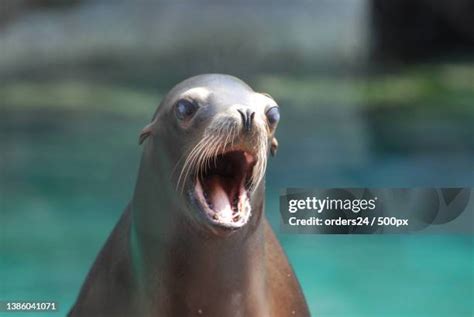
<point x="223" y="190"/>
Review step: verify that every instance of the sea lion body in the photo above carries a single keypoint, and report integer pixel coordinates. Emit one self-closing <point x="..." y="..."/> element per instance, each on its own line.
<point x="194" y="241"/>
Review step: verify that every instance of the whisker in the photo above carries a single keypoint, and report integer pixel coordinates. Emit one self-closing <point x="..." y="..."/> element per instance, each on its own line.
<point x="218" y="138"/>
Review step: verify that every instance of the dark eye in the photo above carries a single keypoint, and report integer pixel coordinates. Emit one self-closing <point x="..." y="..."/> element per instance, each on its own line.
<point x="185" y="109"/>
<point x="273" y="115"/>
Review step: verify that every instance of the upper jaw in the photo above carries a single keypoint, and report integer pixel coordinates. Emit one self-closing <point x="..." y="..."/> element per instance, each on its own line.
<point x="223" y="191"/>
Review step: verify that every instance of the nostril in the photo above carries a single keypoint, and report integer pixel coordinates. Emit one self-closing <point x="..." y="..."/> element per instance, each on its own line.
<point x="244" y="118"/>
<point x="247" y="118"/>
<point x="242" y="114"/>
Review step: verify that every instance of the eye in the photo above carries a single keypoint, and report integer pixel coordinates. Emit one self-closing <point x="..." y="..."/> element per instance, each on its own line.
<point x="185" y="109"/>
<point x="273" y="115"/>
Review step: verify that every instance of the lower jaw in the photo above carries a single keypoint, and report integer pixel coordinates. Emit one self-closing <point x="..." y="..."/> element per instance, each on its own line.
<point x="229" y="218"/>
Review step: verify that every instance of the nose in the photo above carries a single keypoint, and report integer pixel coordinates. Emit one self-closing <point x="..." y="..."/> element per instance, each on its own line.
<point x="247" y="118"/>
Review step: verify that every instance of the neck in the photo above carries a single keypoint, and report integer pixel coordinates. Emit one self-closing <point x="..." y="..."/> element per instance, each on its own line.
<point x="175" y="261"/>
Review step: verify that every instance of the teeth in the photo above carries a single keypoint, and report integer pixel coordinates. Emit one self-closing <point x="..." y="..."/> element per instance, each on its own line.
<point x="234" y="204"/>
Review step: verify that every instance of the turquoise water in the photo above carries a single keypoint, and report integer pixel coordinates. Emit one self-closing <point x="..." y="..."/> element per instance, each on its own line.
<point x="66" y="177"/>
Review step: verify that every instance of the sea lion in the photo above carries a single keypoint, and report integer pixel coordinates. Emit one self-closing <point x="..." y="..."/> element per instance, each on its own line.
<point x="194" y="240"/>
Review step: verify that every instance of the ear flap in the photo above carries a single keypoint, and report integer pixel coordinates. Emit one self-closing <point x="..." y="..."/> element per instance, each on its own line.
<point x="274" y="146"/>
<point x="146" y="132"/>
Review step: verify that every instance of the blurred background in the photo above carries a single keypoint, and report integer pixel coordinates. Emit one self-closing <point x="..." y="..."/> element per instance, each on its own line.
<point x="372" y="93"/>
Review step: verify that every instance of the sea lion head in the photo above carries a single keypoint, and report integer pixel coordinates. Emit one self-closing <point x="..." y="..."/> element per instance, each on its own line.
<point x="217" y="132"/>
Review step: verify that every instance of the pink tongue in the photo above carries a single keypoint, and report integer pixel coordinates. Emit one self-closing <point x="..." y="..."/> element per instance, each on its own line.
<point x="219" y="198"/>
